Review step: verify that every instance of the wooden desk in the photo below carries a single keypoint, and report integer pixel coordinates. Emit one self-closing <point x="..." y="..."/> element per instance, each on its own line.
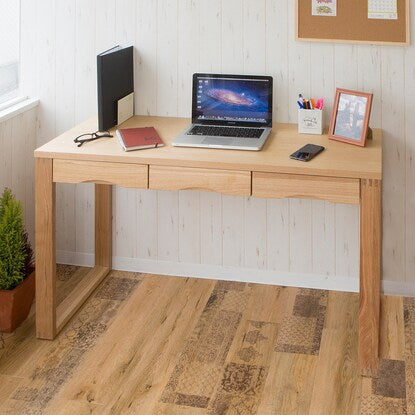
<point x="341" y="174"/>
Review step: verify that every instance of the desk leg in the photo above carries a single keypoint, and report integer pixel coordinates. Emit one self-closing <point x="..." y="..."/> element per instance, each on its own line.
<point x="45" y="250"/>
<point x="103" y="225"/>
<point x="103" y="238"/>
<point x="370" y="274"/>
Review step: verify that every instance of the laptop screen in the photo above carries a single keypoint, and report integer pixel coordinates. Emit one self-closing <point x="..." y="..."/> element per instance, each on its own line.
<point x="232" y="99"/>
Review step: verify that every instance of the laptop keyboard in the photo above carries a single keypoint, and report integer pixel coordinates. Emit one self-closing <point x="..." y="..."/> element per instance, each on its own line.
<point x="226" y="131"/>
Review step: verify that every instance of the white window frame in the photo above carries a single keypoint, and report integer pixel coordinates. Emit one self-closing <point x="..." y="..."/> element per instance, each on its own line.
<point x="14" y="97"/>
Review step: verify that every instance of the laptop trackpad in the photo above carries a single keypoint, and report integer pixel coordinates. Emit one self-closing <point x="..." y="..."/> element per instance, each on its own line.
<point x="218" y="141"/>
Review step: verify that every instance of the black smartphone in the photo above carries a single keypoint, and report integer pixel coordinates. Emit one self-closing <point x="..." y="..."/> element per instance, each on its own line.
<point x="307" y="152"/>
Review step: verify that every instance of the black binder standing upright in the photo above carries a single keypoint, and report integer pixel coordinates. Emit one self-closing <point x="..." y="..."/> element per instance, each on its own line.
<point x="115" y="76"/>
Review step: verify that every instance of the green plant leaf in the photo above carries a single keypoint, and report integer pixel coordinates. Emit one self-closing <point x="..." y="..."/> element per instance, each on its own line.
<point x="13" y="243"/>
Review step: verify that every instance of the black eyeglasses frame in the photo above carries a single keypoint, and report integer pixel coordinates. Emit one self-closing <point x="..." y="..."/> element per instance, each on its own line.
<point x="93" y="136"/>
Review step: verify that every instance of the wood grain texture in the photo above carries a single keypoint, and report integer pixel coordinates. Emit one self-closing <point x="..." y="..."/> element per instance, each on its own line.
<point x="68" y="307"/>
<point x="8" y="385"/>
<point x="370" y="274"/>
<point x="338" y="382"/>
<point x="274" y="185"/>
<point x="185" y="346"/>
<point x="45" y="250"/>
<point x="231" y="182"/>
<point x="125" y="175"/>
<point x="103" y="225"/>
<point x="340" y="159"/>
<point x="392" y="329"/>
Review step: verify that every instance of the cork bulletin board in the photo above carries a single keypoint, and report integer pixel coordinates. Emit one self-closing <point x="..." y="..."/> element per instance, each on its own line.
<point x="352" y="25"/>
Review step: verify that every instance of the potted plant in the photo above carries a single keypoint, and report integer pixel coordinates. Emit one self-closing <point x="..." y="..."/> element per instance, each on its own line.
<point x="17" y="276"/>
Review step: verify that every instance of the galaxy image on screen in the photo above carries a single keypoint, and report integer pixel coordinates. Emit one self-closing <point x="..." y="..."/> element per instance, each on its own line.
<point x="232" y="100"/>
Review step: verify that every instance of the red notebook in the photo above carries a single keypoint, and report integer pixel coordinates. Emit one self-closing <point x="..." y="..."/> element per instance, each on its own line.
<point x="138" y="138"/>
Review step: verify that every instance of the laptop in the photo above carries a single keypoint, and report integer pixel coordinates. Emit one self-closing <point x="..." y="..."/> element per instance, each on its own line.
<point x="229" y="112"/>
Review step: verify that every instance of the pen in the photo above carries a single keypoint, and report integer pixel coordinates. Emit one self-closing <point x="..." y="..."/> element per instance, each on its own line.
<point x="310" y="104"/>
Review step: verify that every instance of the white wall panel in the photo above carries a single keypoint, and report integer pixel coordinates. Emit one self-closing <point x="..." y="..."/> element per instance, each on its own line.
<point x="46" y="69"/>
<point x="369" y="79"/>
<point x="324" y="238"/>
<point x="301" y="239"/>
<point x="233" y="229"/>
<point x="146" y="85"/>
<point x="167" y="52"/>
<point x="65" y="116"/>
<point x="232" y="37"/>
<point x="211" y="228"/>
<point x="277" y="21"/>
<point x="210" y="32"/>
<point x="168" y="226"/>
<point x="6" y="159"/>
<point x="174" y="38"/>
<point x="278" y="234"/>
<point x="85" y="106"/>
<point x="17" y="142"/>
<point x="410" y="159"/>
<point x="189" y="227"/>
<point x="255" y="233"/>
<point x="347" y="241"/>
<point x="147" y="224"/>
<point x="393" y="125"/>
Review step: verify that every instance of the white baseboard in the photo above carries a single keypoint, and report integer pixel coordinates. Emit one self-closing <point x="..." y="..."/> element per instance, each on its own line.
<point x="403" y="289"/>
<point x="219" y="272"/>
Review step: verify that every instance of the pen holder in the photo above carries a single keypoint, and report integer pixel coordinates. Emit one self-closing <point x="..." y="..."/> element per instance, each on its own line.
<point x="310" y="121"/>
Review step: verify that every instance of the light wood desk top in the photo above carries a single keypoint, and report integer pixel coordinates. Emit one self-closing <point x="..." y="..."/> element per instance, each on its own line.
<point x="338" y="160"/>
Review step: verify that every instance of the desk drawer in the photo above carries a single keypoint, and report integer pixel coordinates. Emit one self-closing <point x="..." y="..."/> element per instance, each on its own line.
<point x="332" y="189"/>
<point x="187" y="178"/>
<point x="121" y="174"/>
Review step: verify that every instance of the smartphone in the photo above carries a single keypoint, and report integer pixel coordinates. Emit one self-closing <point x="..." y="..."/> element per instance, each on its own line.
<point x="307" y="152"/>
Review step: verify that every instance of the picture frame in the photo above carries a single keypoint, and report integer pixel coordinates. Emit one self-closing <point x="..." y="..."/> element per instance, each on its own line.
<point x="351" y="115"/>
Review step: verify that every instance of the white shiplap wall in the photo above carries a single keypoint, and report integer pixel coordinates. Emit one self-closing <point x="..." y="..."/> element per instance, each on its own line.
<point x="256" y="238"/>
<point x="17" y="167"/>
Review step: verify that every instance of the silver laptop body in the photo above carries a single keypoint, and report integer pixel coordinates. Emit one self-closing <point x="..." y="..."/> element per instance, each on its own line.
<point x="229" y="112"/>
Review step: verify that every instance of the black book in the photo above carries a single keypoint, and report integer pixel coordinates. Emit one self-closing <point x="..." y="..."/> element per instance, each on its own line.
<point x="115" y="76"/>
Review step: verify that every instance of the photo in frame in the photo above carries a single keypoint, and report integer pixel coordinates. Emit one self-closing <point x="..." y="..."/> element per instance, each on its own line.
<point x="350" y="119"/>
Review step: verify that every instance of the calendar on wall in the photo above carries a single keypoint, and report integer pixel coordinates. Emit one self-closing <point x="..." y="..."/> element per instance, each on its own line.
<point x="383" y="9"/>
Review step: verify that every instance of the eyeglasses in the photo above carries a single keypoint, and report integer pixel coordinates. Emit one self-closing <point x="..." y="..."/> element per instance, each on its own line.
<point x="91" y="137"/>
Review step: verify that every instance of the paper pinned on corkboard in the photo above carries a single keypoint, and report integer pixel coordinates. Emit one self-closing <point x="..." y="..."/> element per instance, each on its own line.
<point x="383" y="9"/>
<point x="324" y="8"/>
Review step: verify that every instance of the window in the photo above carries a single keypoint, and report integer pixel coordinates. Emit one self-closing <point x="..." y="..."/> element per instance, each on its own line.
<point x="9" y="49"/>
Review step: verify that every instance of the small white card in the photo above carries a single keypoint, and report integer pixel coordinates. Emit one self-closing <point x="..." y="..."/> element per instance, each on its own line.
<point x="383" y="9"/>
<point x="125" y="108"/>
<point x="324" y="8"/>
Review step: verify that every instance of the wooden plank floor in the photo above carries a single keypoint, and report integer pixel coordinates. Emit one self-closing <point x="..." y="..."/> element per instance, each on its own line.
<point x="148" y="344"/>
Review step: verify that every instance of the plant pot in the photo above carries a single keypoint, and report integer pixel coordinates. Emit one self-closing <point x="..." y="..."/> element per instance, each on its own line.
<point x="15" y="304"/>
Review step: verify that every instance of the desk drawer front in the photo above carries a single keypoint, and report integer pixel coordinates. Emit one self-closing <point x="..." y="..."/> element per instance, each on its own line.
<point x="121" y="174"/>
<point x="211" y="180"/>
<point x="332" y="189"/>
